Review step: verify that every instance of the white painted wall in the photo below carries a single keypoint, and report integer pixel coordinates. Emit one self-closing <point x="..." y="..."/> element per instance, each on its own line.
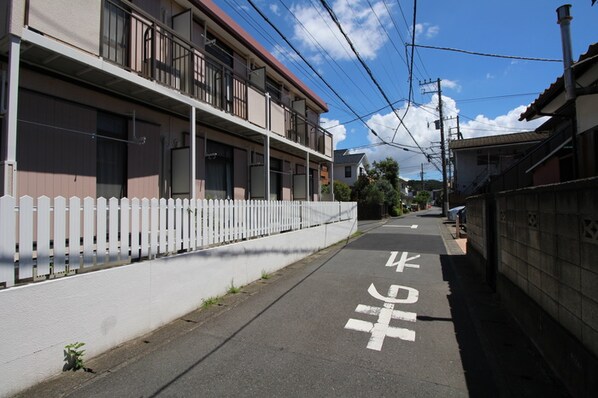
<point x="106" y="308"/>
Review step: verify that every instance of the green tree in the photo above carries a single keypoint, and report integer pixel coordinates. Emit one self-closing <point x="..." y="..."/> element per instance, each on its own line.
<point x="387" y="169"/>
<point x="422" y="199"/>
<point x="342" y="191"/>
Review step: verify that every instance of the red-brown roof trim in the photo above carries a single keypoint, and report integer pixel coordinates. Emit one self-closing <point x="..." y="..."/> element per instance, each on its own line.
<point x="216" y="13"/>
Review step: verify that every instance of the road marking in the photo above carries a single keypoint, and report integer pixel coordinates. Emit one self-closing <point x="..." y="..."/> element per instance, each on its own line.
<point x="414" y="226"/>
<point x="402" y="263"/>
<point x="382" y="329"/>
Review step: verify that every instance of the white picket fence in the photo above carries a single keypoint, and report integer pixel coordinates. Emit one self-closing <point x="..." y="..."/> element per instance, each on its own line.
<point x="48" y="239"/>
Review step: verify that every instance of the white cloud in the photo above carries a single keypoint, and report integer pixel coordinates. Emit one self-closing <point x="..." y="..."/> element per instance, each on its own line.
<point x="338" y="131"/>
<point x="275" y="9"/>
<point x="357" y="20"/>
<point x="451" y="84"/>
<point x="432" y="31"/>
<point x="429" y="31"/>
<point x="482" y="126"/>
<point x="420" y="121"/>
<point x="490" y="76"/>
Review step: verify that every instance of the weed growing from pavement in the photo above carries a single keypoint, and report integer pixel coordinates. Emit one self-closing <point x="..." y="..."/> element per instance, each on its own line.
<point x="210" y="301"/>
<point x="265" y="275"/>
<point x="232" y="289"/>
<point x="73" y="357"/>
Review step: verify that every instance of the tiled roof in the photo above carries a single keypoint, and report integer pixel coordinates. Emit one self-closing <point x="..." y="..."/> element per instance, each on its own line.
<point x="581" y="66"/>
<point x="495" y="140"/>
<point x="342" y="157"/>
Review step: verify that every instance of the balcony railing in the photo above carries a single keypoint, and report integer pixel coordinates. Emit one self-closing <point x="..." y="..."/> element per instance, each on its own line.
<point x="135" y="41"/>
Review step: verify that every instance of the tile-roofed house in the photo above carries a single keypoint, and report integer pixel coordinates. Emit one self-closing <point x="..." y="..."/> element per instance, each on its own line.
<point x="565" y="158"/>
<point x="477" y="159"/>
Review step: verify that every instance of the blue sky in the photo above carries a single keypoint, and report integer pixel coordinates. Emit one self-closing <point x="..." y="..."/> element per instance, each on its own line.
<point x="488" y="93"/>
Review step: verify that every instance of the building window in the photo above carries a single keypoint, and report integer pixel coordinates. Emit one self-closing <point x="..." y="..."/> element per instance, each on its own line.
<point x="111" y="156"/>
<point x="115" y="33"/>
<point x="347" y="171"/>
<point x="274" y="89"/>
<point x="219" y="50"/>
<point x="219" y="171"/>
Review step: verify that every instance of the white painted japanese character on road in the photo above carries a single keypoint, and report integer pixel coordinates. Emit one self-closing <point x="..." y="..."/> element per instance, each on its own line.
<point x="381" y="329"/>
<point x="402" y="263"/>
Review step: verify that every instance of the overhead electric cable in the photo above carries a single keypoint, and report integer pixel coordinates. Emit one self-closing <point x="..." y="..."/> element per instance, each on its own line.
<point x="368" y="71"/>
<point x="410" y="98"/>
<point x="368" y="114"/>
<point x="313" y="69"/>
<point x="485" y="54"/>
<point x="326" y="55"/>
<point x="391" y="41"/>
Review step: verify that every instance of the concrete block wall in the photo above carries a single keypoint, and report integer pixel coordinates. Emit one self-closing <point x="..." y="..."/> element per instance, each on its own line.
<point x="548" y="246"/>
<point x="476" y="224"/>
<point x="547" y="270"/>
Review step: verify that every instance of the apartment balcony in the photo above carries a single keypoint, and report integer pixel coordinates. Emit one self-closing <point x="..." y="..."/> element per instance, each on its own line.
<point x="121" y="49"/>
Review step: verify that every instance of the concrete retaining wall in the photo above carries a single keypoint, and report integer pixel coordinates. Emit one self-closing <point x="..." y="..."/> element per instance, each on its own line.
<point x="106" y="308"/>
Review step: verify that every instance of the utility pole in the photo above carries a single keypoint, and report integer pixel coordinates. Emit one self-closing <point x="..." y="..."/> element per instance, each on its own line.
<point x="445" y="204"/>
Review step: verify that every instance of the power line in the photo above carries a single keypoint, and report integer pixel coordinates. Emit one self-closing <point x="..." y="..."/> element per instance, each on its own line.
<point x="370" y="113"/>
<point x="325" y="53"/>
<point x="318" y="73"/>
<point x="485" y="54"/>
<point x="368" y="71"/>
<point x="495" y="97"/>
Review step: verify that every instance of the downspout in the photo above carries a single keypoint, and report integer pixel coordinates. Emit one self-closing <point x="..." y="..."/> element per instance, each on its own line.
<point x="193" y="154"/>
<point x="564" y="20"/>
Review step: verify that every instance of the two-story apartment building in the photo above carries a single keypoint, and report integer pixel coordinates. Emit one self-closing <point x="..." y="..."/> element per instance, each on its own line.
<point x="151" y="98"/>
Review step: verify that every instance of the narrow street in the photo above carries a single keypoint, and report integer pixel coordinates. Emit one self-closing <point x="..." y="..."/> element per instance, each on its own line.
<point x="394" y="312"/>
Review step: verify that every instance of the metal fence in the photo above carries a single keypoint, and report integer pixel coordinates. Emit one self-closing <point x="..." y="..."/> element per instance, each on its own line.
<point x="53" y="238"/>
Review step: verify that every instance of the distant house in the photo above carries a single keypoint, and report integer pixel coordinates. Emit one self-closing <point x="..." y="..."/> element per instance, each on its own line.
<point x="478" y="159"/>
<point x="349" y="166"/>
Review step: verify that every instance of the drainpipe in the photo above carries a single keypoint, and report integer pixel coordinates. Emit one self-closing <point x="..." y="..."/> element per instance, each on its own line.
<point x="193" y="154"/>
<point x="564" y="20"/>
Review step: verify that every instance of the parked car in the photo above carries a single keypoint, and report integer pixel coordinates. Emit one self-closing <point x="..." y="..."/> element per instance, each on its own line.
<point x="452" y="213"/>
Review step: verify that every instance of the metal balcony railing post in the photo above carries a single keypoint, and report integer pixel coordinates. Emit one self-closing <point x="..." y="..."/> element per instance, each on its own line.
<point x="153" y="52"/>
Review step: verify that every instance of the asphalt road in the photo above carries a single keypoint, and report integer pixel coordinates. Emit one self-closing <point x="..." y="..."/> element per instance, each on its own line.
<point x="383" y="315"/>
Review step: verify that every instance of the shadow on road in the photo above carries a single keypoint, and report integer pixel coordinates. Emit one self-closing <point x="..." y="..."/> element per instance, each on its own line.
<point x="476" y="367"/>
<point x="498" y="360"/>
